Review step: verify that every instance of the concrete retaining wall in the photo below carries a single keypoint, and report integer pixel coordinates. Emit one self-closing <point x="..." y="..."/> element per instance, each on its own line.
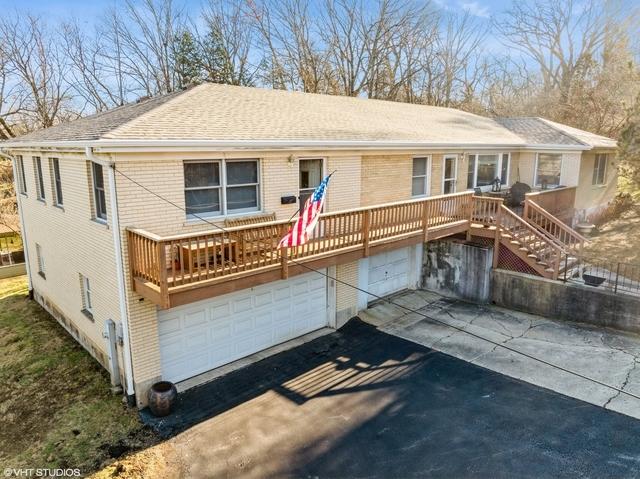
<point x="459" y="268"/>
<point x="570" y="302"/>
<point x="12" y="270"/>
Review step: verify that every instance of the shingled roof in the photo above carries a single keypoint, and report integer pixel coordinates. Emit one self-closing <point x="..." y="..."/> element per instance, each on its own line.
<point x="96" y="126"/>
<point x="226" y="113"/>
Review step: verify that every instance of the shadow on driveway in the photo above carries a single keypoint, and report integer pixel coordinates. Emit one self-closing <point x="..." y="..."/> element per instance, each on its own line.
<point x="361" y="403"/>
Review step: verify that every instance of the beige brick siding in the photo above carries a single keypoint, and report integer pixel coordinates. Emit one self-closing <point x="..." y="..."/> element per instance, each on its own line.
<point x="72" y="243"/>
<point x="385" y="178"/>
<point x="164" y="176"/>
<point x="345" y="186"/>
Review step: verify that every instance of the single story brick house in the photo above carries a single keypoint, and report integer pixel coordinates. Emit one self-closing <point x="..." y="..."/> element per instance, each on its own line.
<point x="151" y="230"/>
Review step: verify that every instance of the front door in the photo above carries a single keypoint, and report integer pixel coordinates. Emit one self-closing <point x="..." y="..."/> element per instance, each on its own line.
<point x="310" y="178"/>
<point x="450" y="174"/>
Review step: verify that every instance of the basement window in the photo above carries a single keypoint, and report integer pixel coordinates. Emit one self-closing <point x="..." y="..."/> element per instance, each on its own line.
<point x="40" y="259"/>
<point x="87" y="298"/>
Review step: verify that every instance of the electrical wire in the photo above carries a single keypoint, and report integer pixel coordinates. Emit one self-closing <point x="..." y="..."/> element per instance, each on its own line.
<point x="406" y="308"/>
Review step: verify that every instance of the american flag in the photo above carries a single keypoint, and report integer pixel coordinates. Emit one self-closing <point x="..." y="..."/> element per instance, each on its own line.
<point x="299" y="233"/>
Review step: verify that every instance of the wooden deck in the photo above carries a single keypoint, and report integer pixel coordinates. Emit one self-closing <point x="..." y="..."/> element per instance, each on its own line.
<point x="180" y="269"/>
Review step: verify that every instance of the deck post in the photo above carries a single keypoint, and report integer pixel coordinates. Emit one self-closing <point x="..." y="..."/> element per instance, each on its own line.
<point x="496" y="238"/>
<point x="425" y="220"/>
<point x="472" y="204"/>
<point x="284" y="254"/>
<point x="366" y="228"/>
<point x="162" y="265"/>
<point x="556" y="263"/>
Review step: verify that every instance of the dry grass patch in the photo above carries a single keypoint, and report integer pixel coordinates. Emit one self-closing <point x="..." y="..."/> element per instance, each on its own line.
<point x="618" y="240"/>
<point x="56" y="406"/>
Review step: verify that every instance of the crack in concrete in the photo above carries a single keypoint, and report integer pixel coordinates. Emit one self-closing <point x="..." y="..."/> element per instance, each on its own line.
<point x="624" y="384"/>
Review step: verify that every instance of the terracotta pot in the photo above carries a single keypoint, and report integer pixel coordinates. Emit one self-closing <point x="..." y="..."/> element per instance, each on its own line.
<point x="162" y="398"/>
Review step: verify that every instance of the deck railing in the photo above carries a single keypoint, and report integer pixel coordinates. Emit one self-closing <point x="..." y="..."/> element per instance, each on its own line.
<point x="569" y="239"/>
<point x="485" y="210"/>
<point x="528" y="237"/>
<point x="166" y="262"/>
<point x="559" y="202"/>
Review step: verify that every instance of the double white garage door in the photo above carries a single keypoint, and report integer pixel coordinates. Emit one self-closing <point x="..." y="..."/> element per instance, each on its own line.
<point x="205" y="335"/>
<point x="201" y="336"/>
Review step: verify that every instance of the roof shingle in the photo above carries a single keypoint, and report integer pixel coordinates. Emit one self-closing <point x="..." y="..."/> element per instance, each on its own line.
<point x="231" y="113"/>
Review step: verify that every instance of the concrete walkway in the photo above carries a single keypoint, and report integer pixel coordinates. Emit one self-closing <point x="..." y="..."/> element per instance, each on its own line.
<point x="609" y="356"/>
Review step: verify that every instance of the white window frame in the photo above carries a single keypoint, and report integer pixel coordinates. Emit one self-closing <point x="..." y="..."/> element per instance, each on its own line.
<point x="535" y="168"/>
<point x="222" y="187"/>
<point x="596" y="168"/>
<point x="41" y="263"/>
<point x="56" y="180"/>
<point x="323" y="174"/>
<point x="500" y="155"/>
<point x="87" y="301"/>
<point x="508" y="175"/>
<point x="454" y="178"/>
<point x="97" y="214"/>
<point x="39" y="177"/>
<point x="22" y="180"/>
<point x="426" y="176"/>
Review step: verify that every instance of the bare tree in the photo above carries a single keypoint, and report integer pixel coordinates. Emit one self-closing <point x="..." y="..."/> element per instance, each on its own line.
<point x="8" y="206"/>
<point x="38" y="67"/>
<point x="91" y="74"/>
<point x="562" y="38"/>
<point x="454" y="68"/>
<point x="294" y="55"/>
<point x="139" y="43"/>
<point x="226" y="46"/>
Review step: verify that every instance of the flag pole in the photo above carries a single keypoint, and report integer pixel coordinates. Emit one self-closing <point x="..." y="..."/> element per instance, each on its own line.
<point x="300" y="207"/>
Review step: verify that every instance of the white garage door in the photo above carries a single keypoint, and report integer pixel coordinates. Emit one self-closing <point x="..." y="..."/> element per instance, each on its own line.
<point x="204" y="335"/>
<point x="388" y="272"/>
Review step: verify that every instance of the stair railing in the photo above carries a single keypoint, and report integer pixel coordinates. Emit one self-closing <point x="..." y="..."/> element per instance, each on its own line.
<point x="570" y="240"/>
<point x="529" y="237"/>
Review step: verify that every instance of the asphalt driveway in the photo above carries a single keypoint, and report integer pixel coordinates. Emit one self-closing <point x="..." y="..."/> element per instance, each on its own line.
<point x="363" y="403"/>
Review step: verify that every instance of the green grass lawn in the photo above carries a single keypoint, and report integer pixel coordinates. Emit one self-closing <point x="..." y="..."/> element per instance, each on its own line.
<point x="55" y="401"/>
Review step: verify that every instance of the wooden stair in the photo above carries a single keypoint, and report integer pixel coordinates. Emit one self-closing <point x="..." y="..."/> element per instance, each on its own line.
<point x="539" y="239"/>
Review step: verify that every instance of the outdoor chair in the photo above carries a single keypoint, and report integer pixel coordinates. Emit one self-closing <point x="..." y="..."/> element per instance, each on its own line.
<point x="517" y="194"/>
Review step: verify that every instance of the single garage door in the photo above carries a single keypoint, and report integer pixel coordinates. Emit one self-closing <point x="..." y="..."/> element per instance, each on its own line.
<point x="388" y="272"/>
<point x="201" y="336"/>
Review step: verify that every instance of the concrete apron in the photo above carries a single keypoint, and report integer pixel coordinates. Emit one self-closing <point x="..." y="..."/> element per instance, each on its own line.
<point x="603" y="354"/>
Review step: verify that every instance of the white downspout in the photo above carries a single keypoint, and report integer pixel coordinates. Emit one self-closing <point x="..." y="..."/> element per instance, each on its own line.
<point x="117" y="244"/>
<point x="23" y="232"/>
